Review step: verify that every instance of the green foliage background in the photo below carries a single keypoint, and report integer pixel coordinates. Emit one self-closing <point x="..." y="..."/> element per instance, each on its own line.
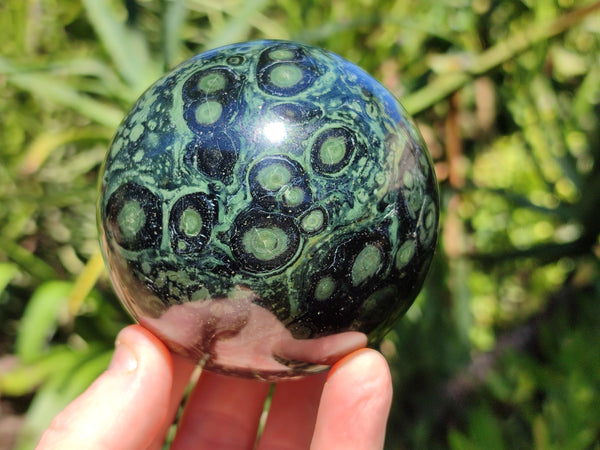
<point x="501" y="350"/>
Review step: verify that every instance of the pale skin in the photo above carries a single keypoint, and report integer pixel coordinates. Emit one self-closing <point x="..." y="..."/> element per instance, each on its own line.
<point x="132" y="404"/>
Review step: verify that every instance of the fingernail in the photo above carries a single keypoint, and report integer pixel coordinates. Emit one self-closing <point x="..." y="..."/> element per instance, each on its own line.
<point x="124" y="359"/>
<point x="342" y="362"/>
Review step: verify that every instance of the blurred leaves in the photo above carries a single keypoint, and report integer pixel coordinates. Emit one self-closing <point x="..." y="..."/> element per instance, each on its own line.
<point x="63" y="385"/>
<point x="126" y="46"/>
<point x="55" y="90"/>
<point x="46" y="308"/>
<point x="501" y="349"/>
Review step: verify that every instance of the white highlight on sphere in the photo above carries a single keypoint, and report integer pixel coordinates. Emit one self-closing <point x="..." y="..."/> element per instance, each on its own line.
<point x="275" y="132"/>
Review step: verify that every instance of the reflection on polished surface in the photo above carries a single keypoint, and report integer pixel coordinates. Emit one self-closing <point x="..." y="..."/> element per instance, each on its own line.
<point x="236" y="336"/>
<point x="275" y="132"/>
<point x="267" y="208"/>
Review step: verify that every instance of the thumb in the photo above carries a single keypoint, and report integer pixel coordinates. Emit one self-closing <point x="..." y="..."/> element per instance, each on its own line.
<point x="126" y="406"/>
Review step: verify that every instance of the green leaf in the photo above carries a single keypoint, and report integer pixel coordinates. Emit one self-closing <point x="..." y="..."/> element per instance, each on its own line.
<point x="27" y="260"/>
<point x="43" y="313"/>
<point x="24" y="378"/>
<point x="458" y="441"/>
<point x="59" y="391"/>
<point x="172" y="24"/>
<point x="126" y="45"/>
<point x="7" y="272"/>
<point x="43" y="145"/>
<point x="485" y="430"/>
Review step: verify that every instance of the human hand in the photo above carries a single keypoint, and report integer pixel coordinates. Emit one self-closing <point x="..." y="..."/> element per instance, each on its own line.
<point x="133" y="403"/>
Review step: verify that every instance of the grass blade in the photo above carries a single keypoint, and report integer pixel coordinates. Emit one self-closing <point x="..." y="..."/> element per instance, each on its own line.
<point x="85" y="282"/>
<point x="126" y="46"/>
<point x="173" y="20"/>
<point x="29" y="262"/>
<point x="237" y="27"/>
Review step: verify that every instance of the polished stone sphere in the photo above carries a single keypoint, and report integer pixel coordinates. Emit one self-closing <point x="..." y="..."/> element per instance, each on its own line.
<point x="266" y="208"/>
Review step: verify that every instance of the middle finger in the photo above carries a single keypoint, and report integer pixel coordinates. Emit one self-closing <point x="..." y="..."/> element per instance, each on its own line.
<point x="221" y="413"/>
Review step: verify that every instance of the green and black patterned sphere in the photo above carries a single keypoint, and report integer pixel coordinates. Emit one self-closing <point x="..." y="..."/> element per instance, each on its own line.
<point x="267" y="207"/>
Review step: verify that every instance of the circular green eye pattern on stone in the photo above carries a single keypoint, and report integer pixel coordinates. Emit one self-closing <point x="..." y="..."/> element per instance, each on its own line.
<point x="131" y="218"/>
<point x="274" y="177"/>
<point x="281" y="54"/>
<point x="275" y="168"/>
<point x="293" y="196"/>
<point x="191" y="222"/>
<point x="332" y="150"/>
<point x="313" y="221"/>
<point x="325" y="288"/>
<point x="366" y="265"/>
<point x="212" y="82"/>
<point x="286" y="75"/>
<point x="208" y="112"/>
<point x="405" y="254"/>
<point x="265" y="244"/>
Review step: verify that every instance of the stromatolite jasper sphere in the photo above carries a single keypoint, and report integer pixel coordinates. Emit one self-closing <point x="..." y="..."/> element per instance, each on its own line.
<point x="267" y="208"/>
